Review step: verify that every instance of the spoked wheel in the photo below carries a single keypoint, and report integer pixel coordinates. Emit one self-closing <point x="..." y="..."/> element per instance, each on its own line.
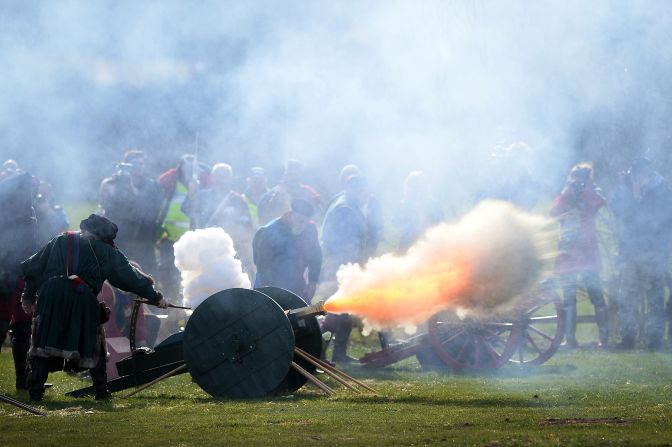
<point x="471" y="343"/>
<point x="540" y="328"/>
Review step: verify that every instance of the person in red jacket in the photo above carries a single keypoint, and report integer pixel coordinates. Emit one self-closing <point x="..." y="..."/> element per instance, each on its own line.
<point x="579" y="257"/>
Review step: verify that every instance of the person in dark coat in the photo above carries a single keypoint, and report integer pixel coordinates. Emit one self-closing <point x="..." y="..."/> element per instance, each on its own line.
<point x="18" y="230"/>
<point x="579" y="256"/>
<point x="643" y="206"/>
<point x="287" y="251"/>
<point x="345" y="239"/>
<point x="133" y="201"/>
<point x="62" y="282"/>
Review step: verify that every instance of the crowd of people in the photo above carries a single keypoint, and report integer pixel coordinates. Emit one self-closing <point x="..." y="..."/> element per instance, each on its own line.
<point x="287" y="236"/>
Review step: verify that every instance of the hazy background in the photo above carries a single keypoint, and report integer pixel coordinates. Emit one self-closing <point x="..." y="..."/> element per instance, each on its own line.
<point x="389" y="85"/>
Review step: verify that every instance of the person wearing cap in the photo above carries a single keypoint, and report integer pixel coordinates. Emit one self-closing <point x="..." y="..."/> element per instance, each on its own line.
<point x="643" y="207"/>
<point x="62" y="281"/>
<point x="287" y="252"/>
<point x="278" y="200"/>
<point x="345" y="239"/>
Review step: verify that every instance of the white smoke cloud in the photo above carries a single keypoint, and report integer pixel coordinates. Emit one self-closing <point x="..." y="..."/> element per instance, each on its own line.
<point x="334" y="83"/>
<point x="205" y="259"/>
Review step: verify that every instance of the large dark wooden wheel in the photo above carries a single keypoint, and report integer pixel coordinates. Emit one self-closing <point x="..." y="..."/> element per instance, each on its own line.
<point x="540" y="327"/>
<point x="238" y="343"/>
<point x="307" y="336"/>
<point x="470" y="343"/>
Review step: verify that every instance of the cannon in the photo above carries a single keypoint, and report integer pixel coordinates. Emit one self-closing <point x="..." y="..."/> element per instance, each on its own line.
<point x="528" y="334"/>
<point x="238" y="343"/>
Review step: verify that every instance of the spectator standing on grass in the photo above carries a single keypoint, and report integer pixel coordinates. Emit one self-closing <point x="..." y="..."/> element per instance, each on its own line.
<point x="278" y="200"/>
<point x="133" y="201"/>
<point x="175" y="183"/>
<point x="221" y="206"/>
<point x="18" y="229"/>
<point x="345" y="239"/>
<point x="287" y="252"/>
<point x="643" y="206"/>
<point x="579" y="256"/>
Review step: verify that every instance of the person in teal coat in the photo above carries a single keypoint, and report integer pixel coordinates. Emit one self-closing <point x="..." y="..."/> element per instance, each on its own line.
<point x="62" y="282"/>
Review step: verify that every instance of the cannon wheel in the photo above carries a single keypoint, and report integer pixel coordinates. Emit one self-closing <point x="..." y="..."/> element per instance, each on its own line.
<point x="238" y="343"/>
<point x="540" y="329"/>
<point x="307" y="336"/>
<point x="470" y="343"/>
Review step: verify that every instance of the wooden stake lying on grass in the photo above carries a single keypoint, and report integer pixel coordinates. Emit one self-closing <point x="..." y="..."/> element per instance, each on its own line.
<point x="331" y="374"/>
<point x="157" y="380"/>
<point x="327" y="367"/>
<point x="321" y="385"/>
<point x="21" y="405"/>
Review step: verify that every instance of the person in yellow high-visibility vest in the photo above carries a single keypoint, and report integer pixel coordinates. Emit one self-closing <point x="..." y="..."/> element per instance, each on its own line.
<point x="175" y="222"/>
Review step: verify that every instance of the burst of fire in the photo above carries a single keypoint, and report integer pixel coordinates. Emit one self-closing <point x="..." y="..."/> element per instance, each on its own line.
<point x="409" y="300"/>
<point x="491" y="257"/>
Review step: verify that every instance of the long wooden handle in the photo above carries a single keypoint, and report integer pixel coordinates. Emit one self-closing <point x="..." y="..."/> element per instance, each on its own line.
<point x="321" y="385"/>
<point x="21" y="405"/>
<point x="327" y="366"/>
<point x="157" y="380"/>
<point x="328" y="372"/>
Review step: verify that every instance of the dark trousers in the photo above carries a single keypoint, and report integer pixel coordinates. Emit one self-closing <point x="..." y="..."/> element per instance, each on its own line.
<point x="340" y="326"/>
<point x="643" y="277"/>
<point x="593" y="285"/>
<point x="39" y="372"/>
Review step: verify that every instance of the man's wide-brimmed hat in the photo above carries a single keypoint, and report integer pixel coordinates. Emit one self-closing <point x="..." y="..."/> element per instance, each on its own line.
<point x="100" y="226"/>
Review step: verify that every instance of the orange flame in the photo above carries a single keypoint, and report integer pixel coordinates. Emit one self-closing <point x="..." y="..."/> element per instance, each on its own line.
<point x="407" y="300"/>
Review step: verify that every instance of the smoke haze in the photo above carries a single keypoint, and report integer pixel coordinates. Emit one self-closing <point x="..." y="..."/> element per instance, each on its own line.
<point x="366" y="82"/>
<point x="205" y="259"/>
<point x="490" y="257"/>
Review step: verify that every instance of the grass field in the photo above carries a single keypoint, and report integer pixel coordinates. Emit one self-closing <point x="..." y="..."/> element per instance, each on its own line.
<point x="583" y="397"/>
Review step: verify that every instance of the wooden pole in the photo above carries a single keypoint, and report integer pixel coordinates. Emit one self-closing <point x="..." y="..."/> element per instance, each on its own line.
<point x="173" y="306"/>
<point x="157" y="380"/>
<point x="313" y="379"/>
<point x="21" y="405"/>
<point x="327" y="366"/>
<point x="328" y="372"/>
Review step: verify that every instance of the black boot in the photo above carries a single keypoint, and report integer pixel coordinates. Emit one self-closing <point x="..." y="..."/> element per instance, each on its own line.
<point x="99" y="377"/>
<point x="38" y="376"/>
<point x="20" y="347"/>
<point x="342" y="330"/>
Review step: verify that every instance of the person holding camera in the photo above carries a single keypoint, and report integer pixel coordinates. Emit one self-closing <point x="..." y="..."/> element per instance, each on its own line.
<point x="579" y="257"/>
<point x="62" y="281"/>
<point x="133" y="201"/>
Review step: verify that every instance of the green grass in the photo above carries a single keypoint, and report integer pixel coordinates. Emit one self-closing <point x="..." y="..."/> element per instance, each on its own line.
<point x="505" y="407"/>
